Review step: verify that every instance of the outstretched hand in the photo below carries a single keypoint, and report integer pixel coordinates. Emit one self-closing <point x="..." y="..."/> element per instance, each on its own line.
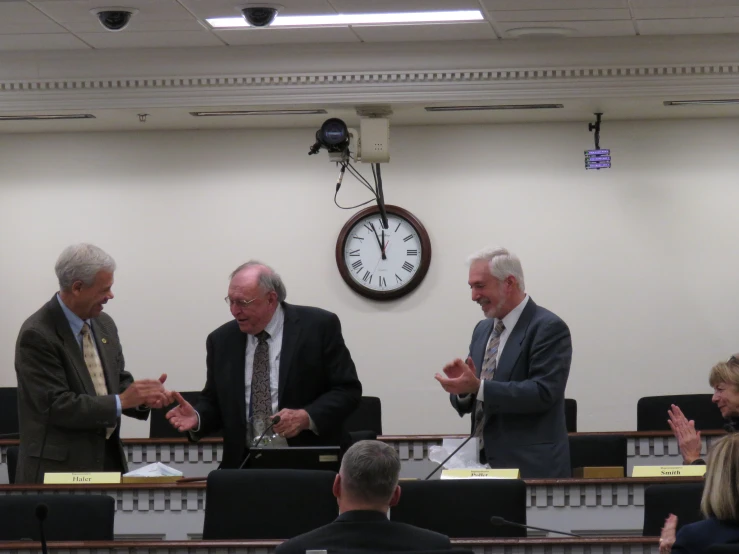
<point x="182" y="417"/>
<point x="459" y="377"/>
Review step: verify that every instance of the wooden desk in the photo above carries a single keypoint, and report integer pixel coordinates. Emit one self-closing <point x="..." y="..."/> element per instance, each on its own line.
<point x="643" y="448"/>
<point x="582" y="506"/>
<point x="479" y="546"/>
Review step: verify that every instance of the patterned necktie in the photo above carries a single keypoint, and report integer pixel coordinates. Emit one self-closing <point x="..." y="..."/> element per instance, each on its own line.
<point x="261" y="392"/>
<point x="489" y="363"/>
<point x="95" y="367"/>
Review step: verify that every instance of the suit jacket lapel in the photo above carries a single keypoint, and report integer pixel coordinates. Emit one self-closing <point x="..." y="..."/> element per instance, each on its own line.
<point x="290" y="337"/>
<point x="101" y="342"/>
<point x="237" y="352"/>
<point x="512" y="348"/>
<point x="477" y="350"/>
<point x="71" y="345"/>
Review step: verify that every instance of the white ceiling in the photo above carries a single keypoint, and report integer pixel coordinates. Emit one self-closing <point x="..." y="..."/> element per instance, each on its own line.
<point x="69" y="35"/>
<point x="68" y="24"/>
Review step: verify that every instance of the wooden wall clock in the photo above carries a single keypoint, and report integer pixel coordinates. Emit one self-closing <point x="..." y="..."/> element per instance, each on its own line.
<point x="383" y="264"/>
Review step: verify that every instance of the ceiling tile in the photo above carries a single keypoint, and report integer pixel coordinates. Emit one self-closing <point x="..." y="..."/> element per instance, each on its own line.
<point x="61" y="41"/>
<point x="138" y="24"/>
<point x="686" y="13"/>
<point x="228" y="8"/>
<point x="578" y="28"/>
<point x="678" y="4"/>
<point x="159" y="39"/>
<point x="561" y="15"/>
<point x="67" y="11"/>
<point x="235" y="37"/>
<point x="22" y="18"/>
<point x="382" y="6"/>
<point x="511" y="5"/>
<point x="688" y="26"/>
<point x="411" y="33"/>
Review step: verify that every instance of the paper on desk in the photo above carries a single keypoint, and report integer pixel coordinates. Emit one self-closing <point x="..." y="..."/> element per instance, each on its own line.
<point x="466" y="458"/>
<point x="157" y="469"/>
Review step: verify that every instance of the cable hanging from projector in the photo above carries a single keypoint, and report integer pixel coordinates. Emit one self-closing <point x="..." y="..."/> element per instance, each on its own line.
<point x="336" y="137"/>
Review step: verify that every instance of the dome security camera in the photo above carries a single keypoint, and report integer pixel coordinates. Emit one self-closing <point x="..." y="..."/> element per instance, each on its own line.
<point x="260" y="15"/>
<point x="114" y="19"/>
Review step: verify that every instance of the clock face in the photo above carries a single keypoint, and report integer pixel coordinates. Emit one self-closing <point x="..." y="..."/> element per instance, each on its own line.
<point x="383" y="263"/>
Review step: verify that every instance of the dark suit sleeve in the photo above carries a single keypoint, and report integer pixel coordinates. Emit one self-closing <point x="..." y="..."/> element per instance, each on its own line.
<point x="344" y="390"/>
<point x="549" y="359"/>
<point x="688" y="541"/>
<point x="41" y="374"/>
<point x="124" y="377"/>
<point x="208" y="407"/>
<point x="465" y="405"/>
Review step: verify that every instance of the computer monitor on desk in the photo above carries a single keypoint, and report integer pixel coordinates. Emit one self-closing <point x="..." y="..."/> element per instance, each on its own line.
<point x="296" y="457"/>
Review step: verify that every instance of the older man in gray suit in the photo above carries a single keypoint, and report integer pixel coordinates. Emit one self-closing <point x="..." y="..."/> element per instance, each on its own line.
<point x="72" y="385"/>
<point x="513" y="381"/>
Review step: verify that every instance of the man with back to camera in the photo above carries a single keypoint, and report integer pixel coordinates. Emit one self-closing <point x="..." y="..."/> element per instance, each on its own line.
<point x="365" y="489"/>
<point x="273" y="359"/>
<point x="513" y="381"/>
<point x="72" y="385"/>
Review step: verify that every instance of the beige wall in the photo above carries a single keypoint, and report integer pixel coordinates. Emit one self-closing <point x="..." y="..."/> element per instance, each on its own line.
<point x="640" y="260"/>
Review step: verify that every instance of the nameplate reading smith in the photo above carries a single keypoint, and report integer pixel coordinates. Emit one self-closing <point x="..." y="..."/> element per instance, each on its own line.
<point x="96" y="478"/>
<point x="669" y="471"/>
<point x="480" y="474"/>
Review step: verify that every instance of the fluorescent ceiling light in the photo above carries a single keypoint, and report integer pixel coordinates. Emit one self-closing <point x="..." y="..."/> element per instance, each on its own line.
<point x="354" y="19"/>
<point x="259" y="112"/>
<point x="45" y="117"/>
<point x="493" y="107"/>
<point x="700" y="102"/>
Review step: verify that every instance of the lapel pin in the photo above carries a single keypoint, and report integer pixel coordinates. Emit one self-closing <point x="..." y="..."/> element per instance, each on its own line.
<point x="105" y="341"/>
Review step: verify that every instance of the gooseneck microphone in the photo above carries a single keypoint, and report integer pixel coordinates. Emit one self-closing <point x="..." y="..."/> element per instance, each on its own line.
<point x="439" y="466"/>
<point x="275" y="421"/>
<point x="499" y="522"/>
<point x="42" y="510"/>
<point x="50" y="399"/>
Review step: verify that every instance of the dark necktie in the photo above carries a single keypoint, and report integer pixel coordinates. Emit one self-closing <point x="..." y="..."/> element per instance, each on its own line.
<point x="261" y="392"/>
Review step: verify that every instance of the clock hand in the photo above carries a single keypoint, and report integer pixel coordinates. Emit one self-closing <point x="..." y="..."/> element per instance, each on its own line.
<point x="378" y="241"/>
<point x="383" y="243"/>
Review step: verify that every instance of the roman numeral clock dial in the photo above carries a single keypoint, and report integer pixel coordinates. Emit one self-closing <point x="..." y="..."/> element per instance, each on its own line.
<point x="383" y="263"/>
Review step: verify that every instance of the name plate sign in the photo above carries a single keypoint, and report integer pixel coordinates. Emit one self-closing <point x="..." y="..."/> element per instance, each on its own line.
<point x="669" y="471"/>
<point x="96" y="478"/>
<point x="480" y="474"/>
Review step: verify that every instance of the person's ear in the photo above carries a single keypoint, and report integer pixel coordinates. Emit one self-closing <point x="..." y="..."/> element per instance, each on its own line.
<point x="77" y="286"/>
<point x="395" y="498"/>
<point x="336" y="488"/>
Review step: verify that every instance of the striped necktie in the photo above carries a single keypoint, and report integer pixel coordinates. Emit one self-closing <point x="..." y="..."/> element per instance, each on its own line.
<point x="489" y="363"/>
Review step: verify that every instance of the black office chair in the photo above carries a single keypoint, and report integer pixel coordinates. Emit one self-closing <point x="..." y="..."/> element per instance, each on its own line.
<point x="8" y="410"/>
<point x="597" y="451"/>
<point x="367" y="416"/>
<point x="571" y="415"/>
<point x="70" y="517"/>
<point x="12" y="460"/>
<point x="681" y="499"/>
<point x="267" y="503"/>
<point x="651" y="411"/>
<point x="462" y="508"/>
<point x="729" y="548"/>
<point x="160" y="428"/>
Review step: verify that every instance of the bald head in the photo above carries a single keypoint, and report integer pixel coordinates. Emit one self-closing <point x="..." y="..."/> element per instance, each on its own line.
<point x="255" y="291"/>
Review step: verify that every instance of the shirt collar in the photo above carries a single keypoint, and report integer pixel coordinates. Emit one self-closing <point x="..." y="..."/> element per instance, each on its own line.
<point x="277" y="321"/>
<point x="75" y="322"/>
<point x="514" y="315"/>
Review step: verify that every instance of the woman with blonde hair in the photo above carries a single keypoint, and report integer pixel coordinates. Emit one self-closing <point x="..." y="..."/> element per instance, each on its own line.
<point x="719" y="504"/>
<point x="724" y="378"/>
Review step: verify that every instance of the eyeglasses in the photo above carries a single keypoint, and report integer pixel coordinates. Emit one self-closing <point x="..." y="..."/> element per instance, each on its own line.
<point x="238" y="303"/>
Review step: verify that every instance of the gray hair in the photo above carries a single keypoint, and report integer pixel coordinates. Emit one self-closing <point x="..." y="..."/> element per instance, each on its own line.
<point x="82" y="262"/>
<point x="369" y="471"/>
<point x="269" y="279"/>
<point x="501" y="263"/>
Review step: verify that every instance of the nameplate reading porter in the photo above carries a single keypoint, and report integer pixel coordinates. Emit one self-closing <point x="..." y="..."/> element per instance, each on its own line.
<point x="480" y="474"/>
